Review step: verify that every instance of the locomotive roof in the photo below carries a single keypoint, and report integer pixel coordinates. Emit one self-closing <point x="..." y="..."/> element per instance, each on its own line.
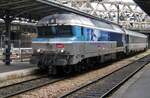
<point x="73" y="19"/>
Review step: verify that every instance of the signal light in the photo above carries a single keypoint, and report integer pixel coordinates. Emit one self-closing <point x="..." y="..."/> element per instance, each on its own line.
<point x="59" y="45"/>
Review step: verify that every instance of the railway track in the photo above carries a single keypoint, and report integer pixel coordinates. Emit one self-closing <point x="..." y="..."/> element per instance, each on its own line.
<point x="24" y="86"/>
<point x="104" y="87"/>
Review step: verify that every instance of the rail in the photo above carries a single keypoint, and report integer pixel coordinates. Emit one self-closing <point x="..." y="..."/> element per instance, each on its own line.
<point x="104" y="87"/>
<point x="21" y="87"/>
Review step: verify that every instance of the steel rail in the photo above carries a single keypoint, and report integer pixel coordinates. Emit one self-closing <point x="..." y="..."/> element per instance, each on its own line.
<point x="115" y="88"/>
<point x="99" y="79"/>
<point x="29" y="87"/>
<point x="2" y="87"/>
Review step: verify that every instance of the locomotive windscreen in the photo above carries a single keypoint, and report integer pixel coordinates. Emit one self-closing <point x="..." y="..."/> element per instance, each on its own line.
<point x="55" y="31"/>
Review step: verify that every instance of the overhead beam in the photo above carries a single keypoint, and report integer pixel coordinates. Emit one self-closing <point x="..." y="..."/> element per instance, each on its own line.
<point x="24" y="6"/>
<point x="30" y="10"/>
<point x="13" y="3"/>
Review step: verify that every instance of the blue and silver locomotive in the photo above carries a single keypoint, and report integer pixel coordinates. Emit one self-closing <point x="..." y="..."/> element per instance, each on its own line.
<point x="68" y="40"/>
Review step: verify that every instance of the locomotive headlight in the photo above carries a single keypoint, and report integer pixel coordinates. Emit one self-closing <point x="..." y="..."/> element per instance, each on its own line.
<point x="62" y="50"/>
<point x="38" y="50"/>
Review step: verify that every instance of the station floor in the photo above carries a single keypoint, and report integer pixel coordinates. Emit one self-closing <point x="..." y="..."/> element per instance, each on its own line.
<point x="136" y="87"/>
<point x="16" y="70"/>
<point x="14" y="66"/>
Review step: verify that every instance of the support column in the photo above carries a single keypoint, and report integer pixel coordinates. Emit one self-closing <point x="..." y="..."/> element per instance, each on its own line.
<point x="118" y="14"/>
<point x="8" y="27"/>
<point x="7" y="52"/>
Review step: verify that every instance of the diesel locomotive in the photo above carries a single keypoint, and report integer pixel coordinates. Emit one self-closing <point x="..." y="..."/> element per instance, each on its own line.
<point x="69" y="41"/>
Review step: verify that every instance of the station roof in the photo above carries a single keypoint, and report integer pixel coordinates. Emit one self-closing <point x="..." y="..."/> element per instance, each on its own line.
<point x="144" y="4"/>
<point x="31" y="9"/>
<point x="36" y="9"/>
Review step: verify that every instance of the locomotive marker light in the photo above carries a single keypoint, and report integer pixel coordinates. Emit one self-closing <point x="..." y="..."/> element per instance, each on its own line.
<point x="62" y="50"/>
<point x="38" y="50"/>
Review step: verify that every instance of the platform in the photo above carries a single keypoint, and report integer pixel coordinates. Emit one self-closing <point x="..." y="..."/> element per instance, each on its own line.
<point x="16" y="70"/>
<point x="137" y="87"/>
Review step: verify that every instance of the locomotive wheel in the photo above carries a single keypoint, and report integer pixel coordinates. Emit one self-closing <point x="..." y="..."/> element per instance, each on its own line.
<point x="80" y="67"/>
<point x="42" y="67"/>
<point x="52" y="70"/>
<point x="83" y="66"/>
<point x="87" y="63"/>
<point x="67" y="69"/>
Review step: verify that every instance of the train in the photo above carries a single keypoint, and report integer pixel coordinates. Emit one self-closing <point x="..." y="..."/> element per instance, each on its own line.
<point x="67" y="41"/>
